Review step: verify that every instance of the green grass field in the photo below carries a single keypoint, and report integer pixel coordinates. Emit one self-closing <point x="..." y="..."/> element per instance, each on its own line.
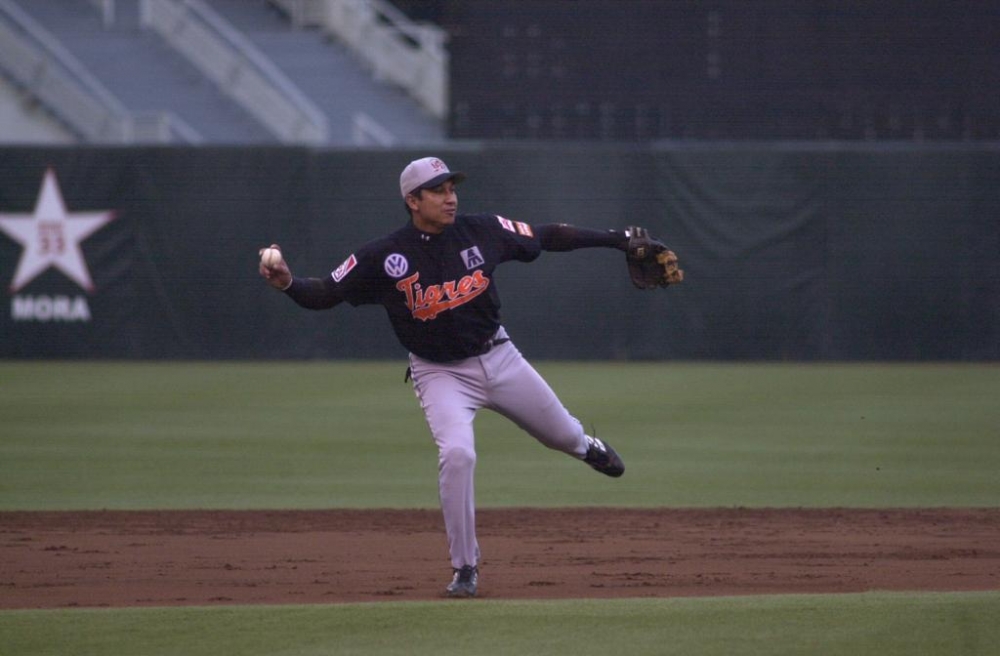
<point x="86" y="435"/>
<point x="848" y="625"/>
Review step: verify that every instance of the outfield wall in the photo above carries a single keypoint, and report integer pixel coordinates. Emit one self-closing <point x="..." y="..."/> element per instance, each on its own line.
<point x="792" y="252"/>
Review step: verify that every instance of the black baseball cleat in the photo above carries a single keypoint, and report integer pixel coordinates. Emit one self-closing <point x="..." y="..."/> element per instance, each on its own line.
<point x="603" y="458"/>
<point x="464" y="582"/>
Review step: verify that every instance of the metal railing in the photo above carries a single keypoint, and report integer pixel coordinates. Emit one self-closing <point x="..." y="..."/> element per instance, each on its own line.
<point x="366" y="131"/>
<point x="35" y="60"/>
<point x="234" y="64"/>
<point x="410" y="55"/>
<point x="107" y="9"/>
<point x="159" y="127"/>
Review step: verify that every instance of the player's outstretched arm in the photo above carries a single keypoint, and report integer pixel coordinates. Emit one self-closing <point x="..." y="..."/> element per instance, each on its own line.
<point x="560" y="237"/>
<point x="650" y="263"/>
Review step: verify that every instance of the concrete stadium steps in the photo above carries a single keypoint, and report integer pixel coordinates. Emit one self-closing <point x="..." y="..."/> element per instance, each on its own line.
<point x="139" y="69"/>
<point x="329" y="75"/>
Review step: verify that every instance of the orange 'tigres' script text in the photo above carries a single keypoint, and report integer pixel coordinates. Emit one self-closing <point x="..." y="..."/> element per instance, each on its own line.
<point x="426" y="303"/>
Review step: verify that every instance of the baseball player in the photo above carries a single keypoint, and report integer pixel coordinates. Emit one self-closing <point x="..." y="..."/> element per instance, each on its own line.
<point x="434" y="277"/>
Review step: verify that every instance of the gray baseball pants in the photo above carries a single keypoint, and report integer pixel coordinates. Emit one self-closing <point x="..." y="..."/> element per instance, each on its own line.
<point x="451" y="393"/>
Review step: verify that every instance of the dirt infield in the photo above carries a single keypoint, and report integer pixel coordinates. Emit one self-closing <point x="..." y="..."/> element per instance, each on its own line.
<point x="95" y="559"/>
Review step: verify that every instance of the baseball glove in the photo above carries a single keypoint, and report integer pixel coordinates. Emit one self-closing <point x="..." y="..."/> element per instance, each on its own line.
<point x="650" y="263"/>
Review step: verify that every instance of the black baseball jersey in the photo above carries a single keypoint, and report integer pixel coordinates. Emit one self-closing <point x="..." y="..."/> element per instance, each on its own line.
<point x="438" y="289"/>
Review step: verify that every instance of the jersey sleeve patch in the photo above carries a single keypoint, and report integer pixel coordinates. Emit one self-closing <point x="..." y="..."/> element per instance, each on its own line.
<point x="345" y="268"/>
<point x="516" y="226"/>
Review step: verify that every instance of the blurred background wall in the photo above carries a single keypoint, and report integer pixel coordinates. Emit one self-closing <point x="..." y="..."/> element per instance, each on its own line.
<point x="638" y="70"/>
<point x="829" y="172"/>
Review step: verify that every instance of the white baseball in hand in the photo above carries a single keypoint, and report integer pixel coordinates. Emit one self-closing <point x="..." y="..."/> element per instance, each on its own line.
<point x="270" y="257"/>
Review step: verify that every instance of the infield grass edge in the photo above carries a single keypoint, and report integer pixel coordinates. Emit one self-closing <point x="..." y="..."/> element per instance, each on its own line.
<point x="867" y="624"/>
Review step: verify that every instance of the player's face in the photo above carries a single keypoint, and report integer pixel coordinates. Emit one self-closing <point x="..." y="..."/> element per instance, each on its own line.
<point x="436" y="207"/>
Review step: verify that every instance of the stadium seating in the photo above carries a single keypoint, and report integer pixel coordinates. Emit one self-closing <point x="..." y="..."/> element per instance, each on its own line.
<point x="213" y="71"/>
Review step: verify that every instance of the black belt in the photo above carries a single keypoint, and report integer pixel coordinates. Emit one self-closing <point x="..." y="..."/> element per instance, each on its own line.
<point x="486" y="347"/>
<point x="489" y="344"/>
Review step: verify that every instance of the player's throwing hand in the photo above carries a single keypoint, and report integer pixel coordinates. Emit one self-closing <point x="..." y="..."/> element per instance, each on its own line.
<point x="274" y="270"/>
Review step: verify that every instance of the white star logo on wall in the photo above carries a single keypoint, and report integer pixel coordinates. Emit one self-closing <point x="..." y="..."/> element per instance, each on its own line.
<point x="51" y="236"/>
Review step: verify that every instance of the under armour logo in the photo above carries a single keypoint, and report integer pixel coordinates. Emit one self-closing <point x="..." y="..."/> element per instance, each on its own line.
<point x="472" y="258"/>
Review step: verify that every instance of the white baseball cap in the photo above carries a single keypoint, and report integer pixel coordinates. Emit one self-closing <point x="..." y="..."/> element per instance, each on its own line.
<point x="426" y="173"/>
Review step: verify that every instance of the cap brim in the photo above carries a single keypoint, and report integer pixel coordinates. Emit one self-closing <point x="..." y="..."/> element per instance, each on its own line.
<point x="457" y="176"/>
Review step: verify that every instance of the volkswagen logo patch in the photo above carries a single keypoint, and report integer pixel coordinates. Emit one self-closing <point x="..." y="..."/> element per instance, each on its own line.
<point x="396" y="266"/>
